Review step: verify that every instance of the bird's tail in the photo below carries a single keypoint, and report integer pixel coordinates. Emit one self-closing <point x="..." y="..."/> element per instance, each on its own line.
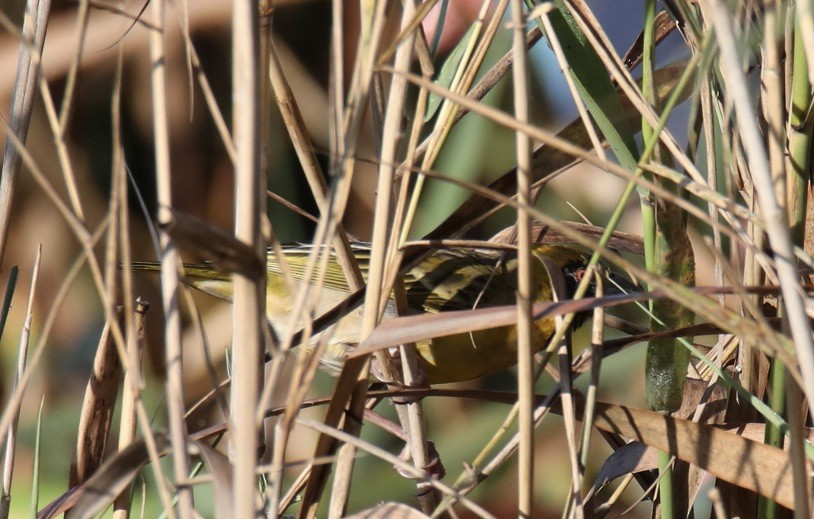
<point x="202" y="276"/>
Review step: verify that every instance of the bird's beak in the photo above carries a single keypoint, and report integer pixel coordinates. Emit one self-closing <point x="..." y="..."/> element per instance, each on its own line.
<point x="616" y="283"/>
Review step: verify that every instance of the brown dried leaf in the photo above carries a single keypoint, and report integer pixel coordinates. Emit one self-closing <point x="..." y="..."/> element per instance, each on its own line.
<point x="664" y="24"/>
<point x="620" y="241"/>
<point x="757" y="431"/>
<point x="742" y="462"/>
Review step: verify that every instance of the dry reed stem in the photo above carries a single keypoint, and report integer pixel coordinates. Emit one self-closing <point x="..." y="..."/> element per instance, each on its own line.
<point x="597" y="343"/>
<point x="277" y="85"/>
<point x="22" y="103"/>
<point x="575" y="499"/>
<point x="410" y="28"/>
<point x="133" y="381"/>
<point x="269" y="342"/>
<point x="58" y="132"/>
<point x="303" y="146"/>
<point x="316" y="267"/>
<point x="525" y="289"/>
<point x="169" y="258"/>
<point x="133" y="312"/>
<point x="73" y="70"/>
<point x="346" y="139"/>
<point x="414" y="421"/>
<point x="249" y="293"/>
<point x="706" y="111"/>
<point x="208" y="95"/>
<point x="96" y="413"/>
<point x="405" y="179"/>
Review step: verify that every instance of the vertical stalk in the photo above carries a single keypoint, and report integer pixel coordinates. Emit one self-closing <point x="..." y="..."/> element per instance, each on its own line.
<point x="772" y="95"/>
<point x="668" y="253"/>
<point x="597" y="340"/>
<point x="373" y="16"/>
<point x="767" y="509"/>
<point x="22" y="104"/>
<point x="798" y="175"/>
<point x="525" y="349"/>
<point x="666" y="494"/>
<point x="799" y="133"/>
<point x="672" y="258"/>
<point x="169" y="267"/>
<point x="249" y="291"/>
<point x="352" y="385"/>
<point x="648" y="133"/>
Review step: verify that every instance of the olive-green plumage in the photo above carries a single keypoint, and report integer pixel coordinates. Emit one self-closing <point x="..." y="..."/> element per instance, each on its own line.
<point x="449" y="279"/>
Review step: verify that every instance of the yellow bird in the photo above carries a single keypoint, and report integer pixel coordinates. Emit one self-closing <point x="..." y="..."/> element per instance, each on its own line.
<point x="448" y="279"/>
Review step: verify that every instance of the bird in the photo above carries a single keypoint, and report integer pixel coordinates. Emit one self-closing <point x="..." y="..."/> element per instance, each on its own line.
<point x="447" y="279"/>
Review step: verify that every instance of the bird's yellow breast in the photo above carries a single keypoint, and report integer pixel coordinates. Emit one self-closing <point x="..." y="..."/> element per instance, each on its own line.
<point x="482" y="281"/>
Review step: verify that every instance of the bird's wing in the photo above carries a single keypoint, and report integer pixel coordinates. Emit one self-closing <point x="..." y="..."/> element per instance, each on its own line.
<point x="298" y="255"/>
<point x="460" y="280"/>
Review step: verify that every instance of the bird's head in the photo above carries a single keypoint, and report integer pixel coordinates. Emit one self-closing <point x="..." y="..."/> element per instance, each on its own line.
<point x="573" y="263"/>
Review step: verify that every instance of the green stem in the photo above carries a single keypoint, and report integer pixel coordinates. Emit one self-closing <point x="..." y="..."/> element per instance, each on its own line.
<point x="799" y="140"/>
<point x="668" y="252"/>
<point x="666" y="486"/>
<point x="775" y="435"/>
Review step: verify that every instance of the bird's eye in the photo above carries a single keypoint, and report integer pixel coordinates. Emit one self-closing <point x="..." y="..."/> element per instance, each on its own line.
<point x="579" y="273"/>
